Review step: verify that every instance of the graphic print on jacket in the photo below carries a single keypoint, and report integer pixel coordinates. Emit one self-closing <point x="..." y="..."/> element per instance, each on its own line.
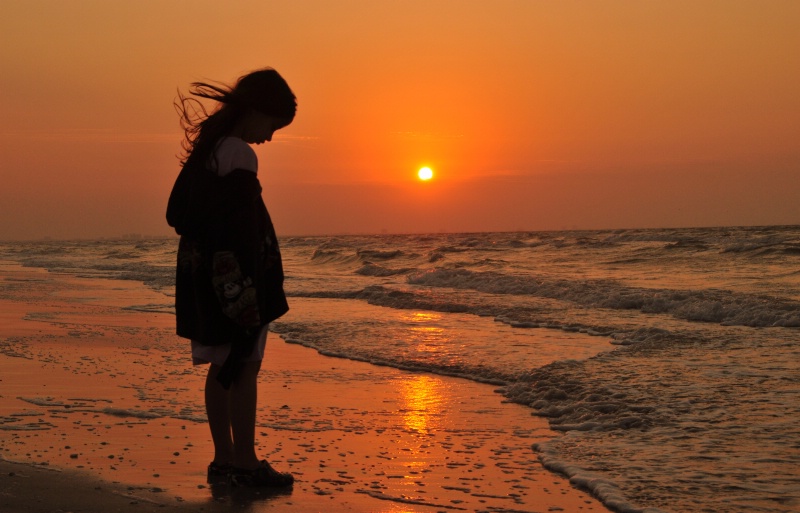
<point x="238" y="298"/>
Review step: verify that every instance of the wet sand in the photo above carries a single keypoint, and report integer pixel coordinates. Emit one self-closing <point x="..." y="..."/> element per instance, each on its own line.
<point x="101" y="410"/>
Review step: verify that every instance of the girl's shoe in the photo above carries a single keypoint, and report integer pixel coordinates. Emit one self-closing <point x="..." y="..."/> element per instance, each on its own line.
<point x="218" y="473"/>
<point x="262" y="476"/>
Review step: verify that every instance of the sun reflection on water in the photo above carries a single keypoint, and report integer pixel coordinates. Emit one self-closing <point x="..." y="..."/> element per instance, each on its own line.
<point x="422" y="402"/>
<point x="428" y="336"/>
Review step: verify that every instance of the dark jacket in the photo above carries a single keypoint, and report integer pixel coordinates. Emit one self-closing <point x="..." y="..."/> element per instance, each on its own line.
<point x="229" y="281"/>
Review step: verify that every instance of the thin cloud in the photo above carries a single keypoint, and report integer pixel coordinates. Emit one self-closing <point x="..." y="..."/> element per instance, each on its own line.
<point x="90" y="135"/>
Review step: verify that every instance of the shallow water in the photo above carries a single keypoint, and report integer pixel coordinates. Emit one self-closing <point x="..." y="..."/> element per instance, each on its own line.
<point x="89" y="386"/>
<point x="691" y="407"/>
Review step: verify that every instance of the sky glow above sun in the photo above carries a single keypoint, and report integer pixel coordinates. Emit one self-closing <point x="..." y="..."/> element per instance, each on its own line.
<point x="425" y="174"/>
<point x="531" y="115"/>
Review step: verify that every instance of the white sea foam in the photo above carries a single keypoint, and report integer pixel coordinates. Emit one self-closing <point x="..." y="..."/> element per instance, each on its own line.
<point x="707" y="305"/>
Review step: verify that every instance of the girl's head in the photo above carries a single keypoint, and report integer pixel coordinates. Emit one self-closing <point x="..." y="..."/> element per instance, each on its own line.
<point x="265" y="91"/>
<point x="260" y="102"/>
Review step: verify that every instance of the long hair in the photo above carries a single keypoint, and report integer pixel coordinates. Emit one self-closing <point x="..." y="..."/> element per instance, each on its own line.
<point x="263" y="90"/>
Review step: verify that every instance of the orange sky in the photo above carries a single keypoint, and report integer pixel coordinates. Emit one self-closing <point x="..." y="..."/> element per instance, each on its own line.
<point x="533" y="115"/>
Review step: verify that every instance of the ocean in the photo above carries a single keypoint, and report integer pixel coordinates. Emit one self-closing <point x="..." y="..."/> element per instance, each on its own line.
<point x="668" y="358"/>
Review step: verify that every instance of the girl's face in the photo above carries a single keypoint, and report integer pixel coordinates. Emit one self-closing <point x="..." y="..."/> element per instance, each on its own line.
<point x="257" y="127"/>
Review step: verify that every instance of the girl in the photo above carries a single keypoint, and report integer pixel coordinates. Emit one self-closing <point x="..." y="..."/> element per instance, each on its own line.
<point x="229" y="281"/>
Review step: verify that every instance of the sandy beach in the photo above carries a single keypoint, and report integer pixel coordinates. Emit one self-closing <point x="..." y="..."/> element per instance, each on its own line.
<point x="100" y="410"/>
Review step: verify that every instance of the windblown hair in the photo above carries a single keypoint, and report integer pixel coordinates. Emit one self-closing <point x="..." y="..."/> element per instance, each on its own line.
<point x="263" y="90"/>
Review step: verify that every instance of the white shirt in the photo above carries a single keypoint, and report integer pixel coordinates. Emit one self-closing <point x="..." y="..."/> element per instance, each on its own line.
<point x="233" y="153"/>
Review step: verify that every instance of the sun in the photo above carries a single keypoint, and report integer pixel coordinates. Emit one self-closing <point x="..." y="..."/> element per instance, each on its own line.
<point x="425" y="174"/>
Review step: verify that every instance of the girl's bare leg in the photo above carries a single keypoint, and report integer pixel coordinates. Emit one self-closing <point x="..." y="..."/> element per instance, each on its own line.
<point x="232" y="416"/>
<point x="218" y="410"/>
<point x="244" y="398"/>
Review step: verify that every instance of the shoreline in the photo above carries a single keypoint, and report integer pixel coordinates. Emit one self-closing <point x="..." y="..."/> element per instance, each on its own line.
<point x="102" y="399"/>
<point x="29" y="488"/>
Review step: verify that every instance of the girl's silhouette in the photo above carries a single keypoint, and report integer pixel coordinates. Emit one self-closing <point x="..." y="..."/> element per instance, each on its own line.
<point x="229" y="282"/>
